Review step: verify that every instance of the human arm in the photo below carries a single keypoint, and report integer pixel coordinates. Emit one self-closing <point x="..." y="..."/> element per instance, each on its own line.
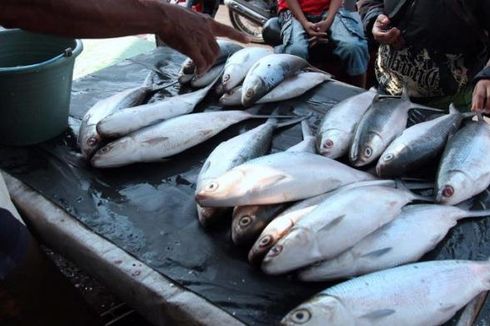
<point x="480" y="101"/>
<point x="188" y="32"/>
<point x="309" y="27"/>
<point x="369" y="10"/>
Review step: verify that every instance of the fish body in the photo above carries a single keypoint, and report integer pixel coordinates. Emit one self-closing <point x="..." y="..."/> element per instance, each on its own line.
<point x="417" y="145"/>
<point x="464" y="170"/>
<point x="89" y="139"/>
<point x="269" y="72"/>
<point x="427" y="293"/>
<point x="339" y="124"/>
<point x="239" y="63"/>
<point x="208" y="77"/>
<point x="278" y="178"/>
<point x="335" y="225"/>
<point x="167" y="138"/>
<point x="416" y="231"/>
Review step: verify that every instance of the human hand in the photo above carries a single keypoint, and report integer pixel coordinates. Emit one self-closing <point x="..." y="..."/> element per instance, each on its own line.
<point x="313" y="30"/>
<point x="323" y="26"/>
<point x="480" y="101"/>
<point x="193" y="34"/>
<point x="384" y="34"/>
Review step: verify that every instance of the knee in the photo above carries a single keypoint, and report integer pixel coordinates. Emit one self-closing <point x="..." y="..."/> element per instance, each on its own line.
<point x="355" y="50"/>
<point x="297" y="50"/>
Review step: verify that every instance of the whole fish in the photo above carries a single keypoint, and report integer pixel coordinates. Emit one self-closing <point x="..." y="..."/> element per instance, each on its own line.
<point x="291" y="87"/>
<point x="278" y="178"/>
<point x="427" y="293"/>
<point x="280" y="225"/>
<point x="339" y="124"/>
<point x="89" y="139"/>
<point x="385" y="119"/>
<point x="418" y="145"/>
<point x="125" y="121"/>
<point x="208" y="77"/>
<point x="233" y="152"/>
<point x="167" y="138"/>
<point x="335" y="225"/>
<point x="269" y="72"/>
<point x="239" y="63"/>
<point x="464" y="170"/>
<point x="416" y="231"/>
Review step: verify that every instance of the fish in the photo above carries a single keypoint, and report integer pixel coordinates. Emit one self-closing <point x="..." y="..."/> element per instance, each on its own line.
<point x="186" y="72"/>
<point x="239" y="63"/>
<point x="427" y="293"/>
<point x="385" y="120"/>
<point x="208" y="77"/>
<point x="269" y="72"/>
<point x="123" y="122"/>
<point x="233" y="152"/>
<point x="167" y="138"/>
<point x="339" y="124"/>
<point x="291" y="87"/>
<point x="89" y="138"/>
<point x="280" y="225"/>
<point x="336" y="225"/>
<point x="278" y="178"/>
<point x="416" y="231"/>
<point x="418" y="145"/>
<point x="464" y="169"/>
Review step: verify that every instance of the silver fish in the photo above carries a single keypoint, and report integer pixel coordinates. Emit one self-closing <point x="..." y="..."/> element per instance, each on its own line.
<point x="89" y="139"/>
<point x="278" y="178"/>
<point x="167" y="138"/>
<point x="125" y="121"/>
<point x="416" y="231"/>
<point x="427" y="293"/>
<point x="239" y="63"/>
<point x="291" y="87"/>
<point x="418" y="145"/>
<point x="464" y="170"/>
<point x="335" y="225"/>
<point x="339" y="124"/>
<point x="208" y="77"/>
<point x="269" y="72"/>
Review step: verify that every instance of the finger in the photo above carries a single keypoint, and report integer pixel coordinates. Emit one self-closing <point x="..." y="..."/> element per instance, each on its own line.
<point x="220" y="29"/>
<point x="478" y="100"/>
<point x="382" y="20"/>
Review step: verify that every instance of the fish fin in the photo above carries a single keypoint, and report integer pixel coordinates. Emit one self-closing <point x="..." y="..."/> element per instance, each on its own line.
<point x="378" y="314"/>
<point x="425" y="108"/>
<point x="293" y="120"/>
<point x="405" y="93"/>
<point x="377" y="253"/>
<point x="162" y="87"/>
<point x="156" y="140"/>
<point x="415" y="184"/>
<point x="446" y="308"/>
<point x="271" y="180"/>
<point x="332" y="223"/>
<point x="315" y="69"/>
<point x="150" y="67"/>
<point x="206" y="166"/>
<point x="467" y="115"/>
<point x="453" y="109"/>
<point x="480" y="117"/>
<point x="306" y="129"/>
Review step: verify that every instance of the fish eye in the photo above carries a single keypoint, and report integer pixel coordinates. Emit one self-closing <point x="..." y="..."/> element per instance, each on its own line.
<point x="388" y="157"/>
<point x="301" y="316"/>
<point x="328" y="143"/>
<point x="368" y="151"/>
<point x="250" y="93"/>
<point x="265" y="241"/>
<point x="245" y="220"/>
<point x="448" y="191"/>
<point x="275" y="251"/>
<point x="92" y="141"/>
<point x="226" y="77"/>
<point x="212" y="186"/>
<point x="105" y="149"/>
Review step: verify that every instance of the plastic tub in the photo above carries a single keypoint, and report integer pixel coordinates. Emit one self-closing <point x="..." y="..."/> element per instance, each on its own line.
<point x="36" y="72"/>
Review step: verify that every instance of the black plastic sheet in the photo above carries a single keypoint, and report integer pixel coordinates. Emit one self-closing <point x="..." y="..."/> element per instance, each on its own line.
<point x="149" y="209"/>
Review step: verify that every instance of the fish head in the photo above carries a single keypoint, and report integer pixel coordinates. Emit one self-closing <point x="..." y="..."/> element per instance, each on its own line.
<point x="368" y="150"/>
<point x="233" y="97"/>
<point x="385" y="167"/>
<point x="232" y="76"/>
<point x="244" y="224"/>
<point x="294" y="250"/>
<point x="260" y="248"/>
<point x="254" y="89"/>
<point x="206" y="215"/>
<point x="333" y="143"/>
<point x="320" y="310"/>
<point x="113" y="154"/>
<point x="221" y="191"/>
<point x="89" y="141"/>
<point x="455" y="188"/>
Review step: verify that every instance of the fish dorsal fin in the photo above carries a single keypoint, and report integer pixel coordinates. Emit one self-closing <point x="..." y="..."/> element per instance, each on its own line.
<point x="377" y="253"/>
<point x="378" y="314"/>
<point x="453" y="109"/>
<point x="405" y="93"/>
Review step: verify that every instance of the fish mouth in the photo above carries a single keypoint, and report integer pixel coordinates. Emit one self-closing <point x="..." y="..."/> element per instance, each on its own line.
<point x="202" y="199"/>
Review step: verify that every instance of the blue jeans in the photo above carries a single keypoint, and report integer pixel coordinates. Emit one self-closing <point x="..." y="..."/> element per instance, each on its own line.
<point x="346" y="33"/>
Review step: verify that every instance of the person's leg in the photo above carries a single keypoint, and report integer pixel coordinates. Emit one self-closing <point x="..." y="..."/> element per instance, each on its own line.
<point x="351" y="45"/>
<point x="294" y="37"/>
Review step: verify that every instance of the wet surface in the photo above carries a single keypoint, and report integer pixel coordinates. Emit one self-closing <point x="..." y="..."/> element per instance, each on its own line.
<point x="149" y="209"/>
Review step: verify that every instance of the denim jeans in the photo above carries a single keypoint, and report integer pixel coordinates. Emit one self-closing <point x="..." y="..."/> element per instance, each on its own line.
<point x="346" y="33"/>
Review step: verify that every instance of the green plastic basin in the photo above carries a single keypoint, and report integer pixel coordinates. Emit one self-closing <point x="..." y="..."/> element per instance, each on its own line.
<point x="36" y="73"/>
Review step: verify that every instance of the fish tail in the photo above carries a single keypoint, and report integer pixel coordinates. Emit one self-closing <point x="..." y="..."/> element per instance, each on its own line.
<point x="305" y="129"/>
<point x="478" y="213"/>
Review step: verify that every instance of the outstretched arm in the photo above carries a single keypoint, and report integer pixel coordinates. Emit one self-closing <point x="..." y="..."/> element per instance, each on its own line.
<point x="188" y="32"/>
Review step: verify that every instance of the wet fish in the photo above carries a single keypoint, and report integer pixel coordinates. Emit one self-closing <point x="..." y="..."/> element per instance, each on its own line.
<point x="336" y="225"/>
<point x="464" y="170"/>
<point x="278" y="178"/>
<point x="269" y="72"/>
<point x="167" y="138"/>
<point x="208" y="77"/>
<point x="418" y="145"/>
<point x="125" y="121"/>
<point x="239" y="63"/>
<point x="427" y="293"/>
<point x="385" y="119"/>
<point x="233" y="152"/>
<point x="416" y="231"/>
<point x="89" y="139"/>
<point x="339" y="124"/>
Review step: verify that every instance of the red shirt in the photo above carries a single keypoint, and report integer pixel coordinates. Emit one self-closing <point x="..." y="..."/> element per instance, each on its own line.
<point x="312" y="7"/>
